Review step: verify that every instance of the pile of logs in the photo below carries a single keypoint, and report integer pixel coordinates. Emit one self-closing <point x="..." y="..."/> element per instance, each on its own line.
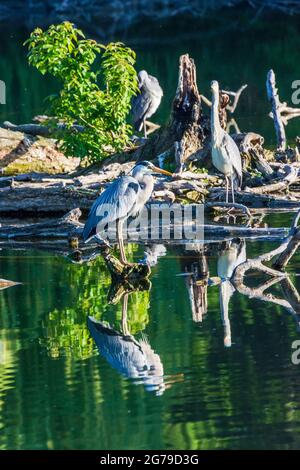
<point x="271" y="179"/>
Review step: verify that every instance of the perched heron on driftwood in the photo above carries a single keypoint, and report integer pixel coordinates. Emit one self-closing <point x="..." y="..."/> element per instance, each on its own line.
<point x="147" y="101"/>
<point x="123" y="198"/>
<point x="225" y="153"/>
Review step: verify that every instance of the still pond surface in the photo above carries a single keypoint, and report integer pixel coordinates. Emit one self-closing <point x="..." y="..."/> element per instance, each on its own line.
<point x="63" y="382"/>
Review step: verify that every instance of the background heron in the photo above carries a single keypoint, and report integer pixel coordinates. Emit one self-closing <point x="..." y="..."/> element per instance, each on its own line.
<point x="147" y="101"/>
<point x="123" y="198"/>
<point x="225" y="153"/>
<point x="231" y="256"/>
<point x="133" y="359"/>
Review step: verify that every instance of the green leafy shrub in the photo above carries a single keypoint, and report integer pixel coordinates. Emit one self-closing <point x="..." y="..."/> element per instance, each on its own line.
<point x="98" y="83"/>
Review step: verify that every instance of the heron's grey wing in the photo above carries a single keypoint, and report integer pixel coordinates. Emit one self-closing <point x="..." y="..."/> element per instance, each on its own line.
<point x="123" y="353"/>
<point x="154" y="86"/>
<point x="116" y="202"/>
<point x="139" y="108"/>
<point x="234" y="155"/>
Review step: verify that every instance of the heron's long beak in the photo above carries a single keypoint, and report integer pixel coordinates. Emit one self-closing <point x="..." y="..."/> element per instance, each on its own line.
<point x="155" y="169"/>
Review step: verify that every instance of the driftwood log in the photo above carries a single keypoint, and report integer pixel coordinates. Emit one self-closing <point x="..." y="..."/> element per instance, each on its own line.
<point x="69" y="228"/>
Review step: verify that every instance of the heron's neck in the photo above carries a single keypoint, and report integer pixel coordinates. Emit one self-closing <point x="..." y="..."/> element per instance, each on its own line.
<point x="214" y="120"/>
<point x="146" y="182"/>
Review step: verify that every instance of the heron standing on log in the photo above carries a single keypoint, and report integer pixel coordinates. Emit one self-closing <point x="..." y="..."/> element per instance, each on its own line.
<point x="225" y="153"/>
<point x="147" y="101"/>
<point x="123" y="198"/>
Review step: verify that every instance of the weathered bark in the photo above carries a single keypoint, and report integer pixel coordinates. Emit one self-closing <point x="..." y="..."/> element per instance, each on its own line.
<point x="253" y="200"/>
<point x="230" y="205"/>
<point x="21" y="153"/>
<point x="273" y="97"/>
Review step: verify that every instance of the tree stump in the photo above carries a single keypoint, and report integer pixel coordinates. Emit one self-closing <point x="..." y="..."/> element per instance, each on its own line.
<point x="188" y="127"/>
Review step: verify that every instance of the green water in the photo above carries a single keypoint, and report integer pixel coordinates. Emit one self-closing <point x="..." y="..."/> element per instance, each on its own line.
<point x="57" y="391"/>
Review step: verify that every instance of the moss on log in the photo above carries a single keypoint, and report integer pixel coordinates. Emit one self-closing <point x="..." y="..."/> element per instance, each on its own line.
<point x="23" y="153"/>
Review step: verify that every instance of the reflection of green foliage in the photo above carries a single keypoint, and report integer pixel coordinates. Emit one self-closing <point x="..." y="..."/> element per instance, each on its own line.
<point x="65" y="331"/>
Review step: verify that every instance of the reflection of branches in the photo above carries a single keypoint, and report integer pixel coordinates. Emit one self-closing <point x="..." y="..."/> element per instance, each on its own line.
<point x="119" y="289"/>
<point x="286" y="250"/>
<point x="289" y="292"/>
<point x="292" y="245"/>
<point x="197" y="282"/>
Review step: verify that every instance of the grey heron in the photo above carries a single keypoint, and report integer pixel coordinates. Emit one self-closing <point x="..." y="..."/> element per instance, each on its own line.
<point x="147" y="101"/>
<point x="134" y="359"/>
<point x="123" y="198"/>
<point x="225" y="153"/>
<point x="232" y="256"/>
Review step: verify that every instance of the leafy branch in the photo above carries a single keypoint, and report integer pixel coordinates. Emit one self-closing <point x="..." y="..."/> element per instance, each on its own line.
<point x="97" y="85"/>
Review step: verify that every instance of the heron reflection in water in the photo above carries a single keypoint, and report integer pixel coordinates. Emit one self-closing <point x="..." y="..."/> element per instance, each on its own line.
<point x="135" y="359"/>
<point x="231" y="256"/>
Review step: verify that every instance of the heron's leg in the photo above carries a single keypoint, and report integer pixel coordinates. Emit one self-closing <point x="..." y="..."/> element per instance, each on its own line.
<point x="145" y="128"/>
<point x="227" y="188"/>
<point x="232" y="189"/>
<point x="120" y="241"/>
<point x="125" y="329"/>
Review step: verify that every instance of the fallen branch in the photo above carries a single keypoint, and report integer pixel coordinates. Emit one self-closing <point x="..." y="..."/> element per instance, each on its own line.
<point x="230" y="205"/>
<point x="40" y="129"/>
<point x="283" y="183"/>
